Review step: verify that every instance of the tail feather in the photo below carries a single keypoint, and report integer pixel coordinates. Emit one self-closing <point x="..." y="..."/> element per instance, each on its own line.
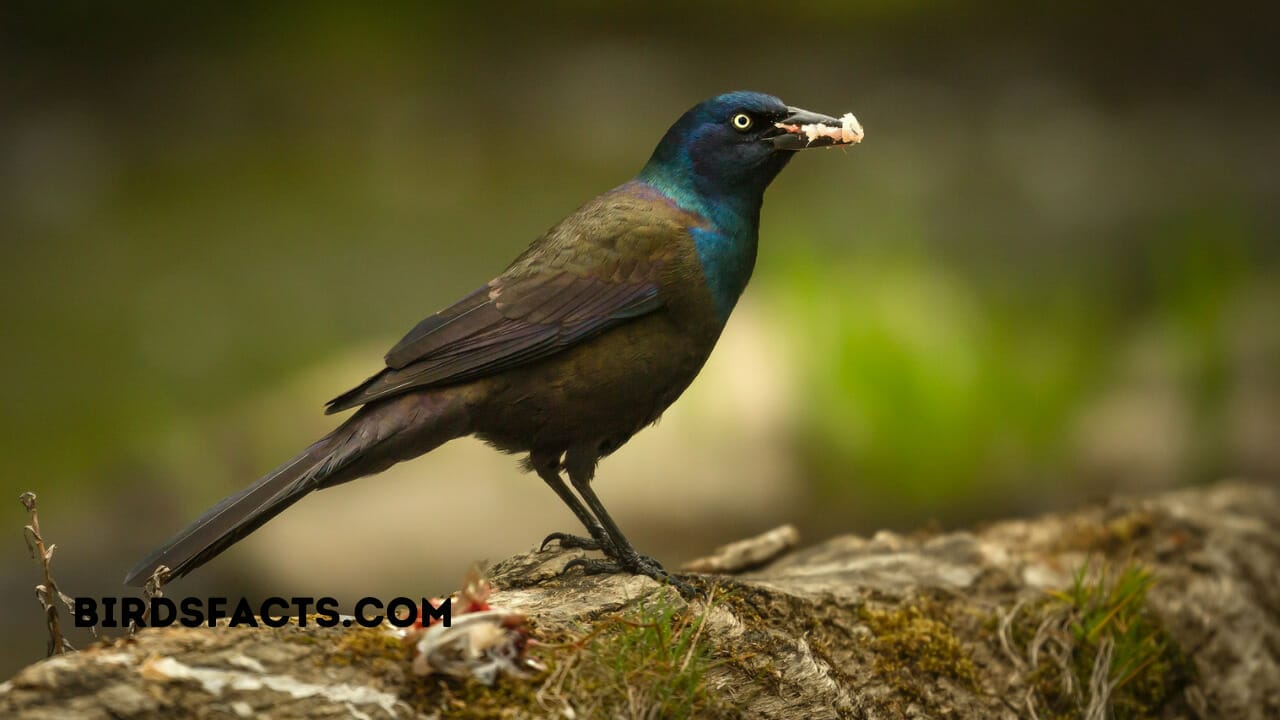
<point x="375" y="438"/>
<point x="236" y="516"/>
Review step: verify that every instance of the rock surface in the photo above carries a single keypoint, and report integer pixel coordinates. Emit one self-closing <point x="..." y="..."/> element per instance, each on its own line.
<point x="893" y="626"/>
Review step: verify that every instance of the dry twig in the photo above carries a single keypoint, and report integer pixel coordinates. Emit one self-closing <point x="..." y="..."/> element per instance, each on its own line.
<point x="151" y="590"/>
<point x="47" y="593"/>
<point x="748" y="554"/>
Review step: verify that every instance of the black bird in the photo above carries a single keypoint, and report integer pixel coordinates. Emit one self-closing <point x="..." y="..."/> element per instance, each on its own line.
<point x="583" y="341"/>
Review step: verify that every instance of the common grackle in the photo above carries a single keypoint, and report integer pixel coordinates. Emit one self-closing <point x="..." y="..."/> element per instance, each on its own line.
<point x="583" y="341"/>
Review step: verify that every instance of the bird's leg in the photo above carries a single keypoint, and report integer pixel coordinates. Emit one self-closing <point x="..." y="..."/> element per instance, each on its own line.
<point x="549" y="471"/>
<point x="622" y="555"/>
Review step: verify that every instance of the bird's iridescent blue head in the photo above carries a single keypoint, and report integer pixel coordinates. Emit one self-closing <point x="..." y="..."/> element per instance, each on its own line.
<point x="729" y="148"/>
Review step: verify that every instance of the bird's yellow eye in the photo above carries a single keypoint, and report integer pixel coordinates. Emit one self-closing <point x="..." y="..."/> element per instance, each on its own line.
<point x="741" y="121"/>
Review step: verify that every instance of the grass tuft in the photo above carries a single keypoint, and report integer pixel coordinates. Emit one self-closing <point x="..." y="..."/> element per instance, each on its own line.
<point x="649" y="662"/>
<point x="1096" y="649"/>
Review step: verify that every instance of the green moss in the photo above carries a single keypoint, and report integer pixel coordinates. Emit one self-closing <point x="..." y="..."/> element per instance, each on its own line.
<point x="756" y="607"/>
<point x="362" y="646"/>
<point x="1109" y="537"/>
<point x="914" y="646"/>
<point x="470" y="700"/>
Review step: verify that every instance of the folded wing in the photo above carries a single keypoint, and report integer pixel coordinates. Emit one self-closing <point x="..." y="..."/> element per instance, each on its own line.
<point x="527" y="314"/>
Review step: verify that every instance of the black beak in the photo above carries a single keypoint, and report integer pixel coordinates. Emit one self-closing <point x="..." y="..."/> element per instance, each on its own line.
<point x="802" y="129"/>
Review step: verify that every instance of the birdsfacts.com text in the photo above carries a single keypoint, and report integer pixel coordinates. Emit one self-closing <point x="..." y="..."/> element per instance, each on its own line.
<point x="111" y="612"/>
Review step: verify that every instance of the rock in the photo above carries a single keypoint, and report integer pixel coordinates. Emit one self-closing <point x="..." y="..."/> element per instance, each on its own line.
<point x="956" y="625"/>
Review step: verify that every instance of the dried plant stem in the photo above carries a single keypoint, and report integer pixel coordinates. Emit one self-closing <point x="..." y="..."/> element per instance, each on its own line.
<point x="152" y="589"/>
<point x="47" y="593"/>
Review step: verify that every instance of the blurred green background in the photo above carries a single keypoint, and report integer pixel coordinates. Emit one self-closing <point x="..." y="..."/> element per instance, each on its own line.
<point x="1048" y="274"/>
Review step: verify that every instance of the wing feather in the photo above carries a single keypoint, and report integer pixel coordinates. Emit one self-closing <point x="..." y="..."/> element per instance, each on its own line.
<point x="599" y="267"/>
<point x="509" y="322"/>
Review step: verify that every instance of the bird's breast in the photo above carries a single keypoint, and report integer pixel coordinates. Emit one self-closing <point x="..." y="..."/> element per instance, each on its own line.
<point x="606" y="388"/>
<point x="726" y="260"/>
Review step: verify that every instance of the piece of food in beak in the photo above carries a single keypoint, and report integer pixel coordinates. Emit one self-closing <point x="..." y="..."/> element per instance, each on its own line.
<point x="850" y="129"/>
<point x="849" y="132"/>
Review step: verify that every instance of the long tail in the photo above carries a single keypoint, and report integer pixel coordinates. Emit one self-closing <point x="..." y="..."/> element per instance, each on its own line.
<point x="374" y="439"/>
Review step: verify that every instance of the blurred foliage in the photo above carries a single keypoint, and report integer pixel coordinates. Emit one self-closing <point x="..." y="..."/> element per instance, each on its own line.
<point x="1051" y="269"/>
<point x="956" y="386"/>
<point x="918" y="376"/>
<point x="200" y="203"/>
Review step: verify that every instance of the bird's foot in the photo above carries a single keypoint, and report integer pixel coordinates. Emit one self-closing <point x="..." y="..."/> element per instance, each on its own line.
<point x="634" y="563"/>
<point x="572" y="542"/>
<point x="593" y="566"/>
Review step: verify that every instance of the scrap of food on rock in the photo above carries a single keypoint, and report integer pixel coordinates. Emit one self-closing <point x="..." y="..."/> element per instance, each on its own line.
<point x="482" y="642"/>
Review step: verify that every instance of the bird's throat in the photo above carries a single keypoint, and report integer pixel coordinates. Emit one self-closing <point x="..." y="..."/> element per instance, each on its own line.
<point x="725" y="241"/>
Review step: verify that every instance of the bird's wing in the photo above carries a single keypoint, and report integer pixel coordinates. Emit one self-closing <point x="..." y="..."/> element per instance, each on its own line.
<point x="558" y="293"/>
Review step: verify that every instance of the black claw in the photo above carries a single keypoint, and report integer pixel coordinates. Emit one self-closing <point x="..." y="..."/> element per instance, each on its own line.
<point x="592" y="566"/>
<point x="571" y="542"/>
<point x="645" y="565"/>
<point x="687" y="591"/>
<point x="635" y="564"/>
